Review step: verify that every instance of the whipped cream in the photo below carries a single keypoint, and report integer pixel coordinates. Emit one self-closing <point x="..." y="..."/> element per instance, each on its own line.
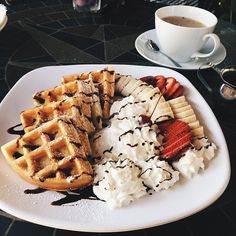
<point x="121" y="181"/>
<point x="117" y="182"/>
<point x="125" y="136"/>
<point x="158" y="175"/>
<point x="189" y="164"/>
<point x="205" y="148"/>
<point x="194" y="159"/>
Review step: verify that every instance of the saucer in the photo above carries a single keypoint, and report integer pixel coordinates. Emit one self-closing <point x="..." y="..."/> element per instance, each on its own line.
<point x="160" y="59"/>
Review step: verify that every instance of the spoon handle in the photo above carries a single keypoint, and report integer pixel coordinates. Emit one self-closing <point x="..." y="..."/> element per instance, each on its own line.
<point x="173" y="61"/>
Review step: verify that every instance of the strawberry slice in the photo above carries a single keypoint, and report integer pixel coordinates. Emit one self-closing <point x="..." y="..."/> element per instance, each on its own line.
<point x="177" y="144"/>
<point x="149" y="80"/>
<point x="178" y="92"/>
<point x="161" y="82"/>
<point x="177" y="137"/>
<point x="173" y="89"/>
<point x="170" y="83"/>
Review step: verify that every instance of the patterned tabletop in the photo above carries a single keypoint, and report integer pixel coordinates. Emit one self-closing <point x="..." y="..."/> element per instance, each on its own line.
<point x="107" y="37"/>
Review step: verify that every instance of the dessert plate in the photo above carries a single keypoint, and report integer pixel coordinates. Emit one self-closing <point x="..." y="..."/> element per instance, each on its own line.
<point x="94" y="215"/>
<point x="159" y="59"/>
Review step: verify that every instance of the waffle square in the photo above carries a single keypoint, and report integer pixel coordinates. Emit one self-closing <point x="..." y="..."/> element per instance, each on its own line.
<point x="52" y="156"/>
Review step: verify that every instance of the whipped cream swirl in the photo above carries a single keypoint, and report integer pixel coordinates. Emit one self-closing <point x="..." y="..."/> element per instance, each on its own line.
<point x="125" y="135"/>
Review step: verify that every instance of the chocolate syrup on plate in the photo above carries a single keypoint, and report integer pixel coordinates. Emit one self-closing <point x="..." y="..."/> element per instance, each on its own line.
<point x="75" y="196"/>
<point x="34" y="191"/>
<point x="13" y="130"/>
<point x="69" y="197"/>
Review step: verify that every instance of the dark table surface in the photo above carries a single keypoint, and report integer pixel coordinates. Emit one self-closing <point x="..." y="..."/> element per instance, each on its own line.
<point x="108" y="37"/>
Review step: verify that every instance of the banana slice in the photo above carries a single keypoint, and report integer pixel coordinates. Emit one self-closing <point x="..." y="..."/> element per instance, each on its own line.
<point x="184" y="114"/>
<point x="194" y="124"/>
<point x="132" y="85"/>
<point x="177" y="100"/>
<point x="179" y="105"/>
<point x="181" y="109"/>
<point x="198" y="132"/>
<point x="122" y="82"/>
<point x="162" y="115"/>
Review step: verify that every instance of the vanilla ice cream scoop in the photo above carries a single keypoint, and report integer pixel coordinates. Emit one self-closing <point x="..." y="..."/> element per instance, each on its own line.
<point x="3" y="16"/>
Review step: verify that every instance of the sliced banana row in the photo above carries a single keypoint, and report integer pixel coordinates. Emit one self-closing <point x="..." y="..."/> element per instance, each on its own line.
<point x="159" y="109"/>
<point x="183" y="111"/>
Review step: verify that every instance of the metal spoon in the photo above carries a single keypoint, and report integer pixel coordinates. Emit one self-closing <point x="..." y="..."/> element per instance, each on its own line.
<point x="152" y="46"/>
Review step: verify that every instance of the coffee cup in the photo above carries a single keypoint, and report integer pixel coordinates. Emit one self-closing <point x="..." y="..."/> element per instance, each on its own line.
<point x="183" y="30"/>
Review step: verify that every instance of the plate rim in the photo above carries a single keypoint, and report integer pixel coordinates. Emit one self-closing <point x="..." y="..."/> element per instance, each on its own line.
<point x="57" y="224"/>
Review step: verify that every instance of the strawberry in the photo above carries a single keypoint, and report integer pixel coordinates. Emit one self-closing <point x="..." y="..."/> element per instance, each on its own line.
<point x="170" y="83"/>
<point x="174" y="89"/>
<point x="161" y="82"/>
<point x="149" y="80"/>
<point x="177" y="136"/>
<point x="178" y="92"/>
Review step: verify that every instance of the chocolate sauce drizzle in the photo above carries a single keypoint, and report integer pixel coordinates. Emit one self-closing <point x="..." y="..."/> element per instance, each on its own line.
<point x="122" y="107"/>
<point x="35" y="191"/>
<point x="108" y="150"/>
<point x="13" y="130"/>
<point x="134" y="145"/>
<point x="38" y="98"/>
<point x="75" y="196"/>
<point x="99" y="136"/>
<point x="69" y="197"/>
<point x="127" y="132"/>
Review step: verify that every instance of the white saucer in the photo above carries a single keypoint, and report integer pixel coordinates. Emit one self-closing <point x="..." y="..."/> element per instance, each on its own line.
<point x="159" y="59"/>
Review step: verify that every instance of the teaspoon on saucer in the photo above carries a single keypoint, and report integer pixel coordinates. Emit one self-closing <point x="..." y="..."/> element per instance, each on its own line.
<point x="153" y="46"/>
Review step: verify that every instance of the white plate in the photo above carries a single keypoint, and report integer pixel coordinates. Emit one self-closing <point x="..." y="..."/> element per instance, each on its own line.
<point x="159" y="59"/>
<point x="184" y="199"/>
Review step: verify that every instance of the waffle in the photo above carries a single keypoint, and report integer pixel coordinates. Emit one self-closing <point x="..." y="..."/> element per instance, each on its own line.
<point x="70" y="108"/>
<point x="104" y="81"/>
<point x="96" y="105"/>
<point x="83" y="90"/>
<point x="107" y="89"/>
<point x="52" y="157"/>
<point x="95" y="75"/>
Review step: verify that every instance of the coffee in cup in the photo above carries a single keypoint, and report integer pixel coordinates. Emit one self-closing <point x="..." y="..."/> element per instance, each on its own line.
<point x="183" y="30"/>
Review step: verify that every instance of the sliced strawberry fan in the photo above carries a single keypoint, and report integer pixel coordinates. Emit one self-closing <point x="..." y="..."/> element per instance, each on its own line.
<point x="177" y="138"/>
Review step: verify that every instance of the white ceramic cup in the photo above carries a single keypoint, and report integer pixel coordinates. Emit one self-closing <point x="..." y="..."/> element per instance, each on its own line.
<point x="183" y="43"/>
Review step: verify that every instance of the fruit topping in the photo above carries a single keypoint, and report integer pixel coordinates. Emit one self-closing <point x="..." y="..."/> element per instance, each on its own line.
<point x="143" y="120"/>
<point x="177" y="137"/>
<point x="169" y="86"/>
<point x="150" y="80"/>
<point x="161" y="83"/>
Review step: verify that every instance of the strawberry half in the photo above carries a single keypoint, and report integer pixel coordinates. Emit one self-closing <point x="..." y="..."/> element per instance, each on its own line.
<point x="177" y="136"/>
<point x="161" y="82"/>
<point x="178" y="92"/>
<point x="149" y="80"/>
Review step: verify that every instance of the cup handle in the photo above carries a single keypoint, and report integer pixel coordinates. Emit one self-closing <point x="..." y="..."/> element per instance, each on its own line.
<point x="216" y="41"/>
